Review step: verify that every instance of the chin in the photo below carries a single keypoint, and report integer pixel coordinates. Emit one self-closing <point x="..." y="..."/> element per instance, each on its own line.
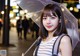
<point x="50" y="30"/>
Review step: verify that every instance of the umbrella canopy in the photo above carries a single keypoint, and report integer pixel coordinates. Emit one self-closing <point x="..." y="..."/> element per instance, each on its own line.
<point x="36" y="6"/>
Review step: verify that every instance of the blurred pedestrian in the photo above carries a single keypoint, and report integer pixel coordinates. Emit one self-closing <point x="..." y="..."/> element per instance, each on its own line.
<point x="25" y="24"/>
<point x="36" y="29"/>
<point x="33" y="28"/>
<point x="19" y="27"/>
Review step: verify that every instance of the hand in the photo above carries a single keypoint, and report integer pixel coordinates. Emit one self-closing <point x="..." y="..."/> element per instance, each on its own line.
<point x="22" y="54"/>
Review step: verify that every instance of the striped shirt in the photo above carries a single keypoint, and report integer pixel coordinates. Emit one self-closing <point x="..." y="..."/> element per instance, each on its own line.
<point x="45" y="48"/>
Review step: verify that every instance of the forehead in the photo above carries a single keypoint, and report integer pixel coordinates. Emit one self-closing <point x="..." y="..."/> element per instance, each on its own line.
<point x="49" y="13"/>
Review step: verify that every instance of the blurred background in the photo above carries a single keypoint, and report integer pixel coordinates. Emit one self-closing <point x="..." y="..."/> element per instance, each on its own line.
<point x="15" y="11"/>
<point x="10" y="40"/>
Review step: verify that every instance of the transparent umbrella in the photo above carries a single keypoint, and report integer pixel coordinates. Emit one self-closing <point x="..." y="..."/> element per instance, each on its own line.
<point x="36" y="6"/>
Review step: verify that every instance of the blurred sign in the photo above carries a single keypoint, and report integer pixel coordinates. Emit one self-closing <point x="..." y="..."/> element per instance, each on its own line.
<point x="13" y="3"/>
<point x="3" y="52"/>
<point x="78" y="6"/>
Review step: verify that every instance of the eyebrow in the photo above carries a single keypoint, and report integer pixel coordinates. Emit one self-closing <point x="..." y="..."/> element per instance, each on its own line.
<point x="49" y="14"/>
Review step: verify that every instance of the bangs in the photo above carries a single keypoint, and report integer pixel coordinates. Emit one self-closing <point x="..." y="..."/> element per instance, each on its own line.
<point x="49" y="13"/>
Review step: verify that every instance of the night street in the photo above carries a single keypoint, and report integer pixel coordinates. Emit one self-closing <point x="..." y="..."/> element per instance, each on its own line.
<point x="20" y="46"/>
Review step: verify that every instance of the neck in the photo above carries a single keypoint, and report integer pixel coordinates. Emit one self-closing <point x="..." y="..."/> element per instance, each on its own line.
<point x="50" y="34"/>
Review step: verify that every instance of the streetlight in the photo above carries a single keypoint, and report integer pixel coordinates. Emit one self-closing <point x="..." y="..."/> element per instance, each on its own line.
<point x="2" y="12"/>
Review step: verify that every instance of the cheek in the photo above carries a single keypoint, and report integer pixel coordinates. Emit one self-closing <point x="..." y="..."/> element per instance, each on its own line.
<point x="43" y="22"/>
<point x="55" y="22"/>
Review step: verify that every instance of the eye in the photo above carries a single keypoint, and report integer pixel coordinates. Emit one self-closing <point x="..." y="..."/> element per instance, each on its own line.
<point x="44" y="17"/>
<point x="53" y="17"/>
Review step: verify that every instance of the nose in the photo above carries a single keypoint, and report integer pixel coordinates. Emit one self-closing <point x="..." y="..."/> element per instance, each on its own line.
<point x="48" y="20"/>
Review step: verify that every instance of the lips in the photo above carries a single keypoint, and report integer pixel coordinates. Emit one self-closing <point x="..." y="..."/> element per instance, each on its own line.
<point x="49" y="26"/>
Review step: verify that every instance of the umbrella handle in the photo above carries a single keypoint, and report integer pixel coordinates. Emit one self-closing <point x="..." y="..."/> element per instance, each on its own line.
<point x="22" y="54"/>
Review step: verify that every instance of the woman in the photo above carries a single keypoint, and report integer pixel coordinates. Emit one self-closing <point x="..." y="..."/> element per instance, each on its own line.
<point x="51" y="27"/>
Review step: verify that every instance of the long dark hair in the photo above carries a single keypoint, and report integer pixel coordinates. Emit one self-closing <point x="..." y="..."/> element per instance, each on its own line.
<point x="56" y="10"/>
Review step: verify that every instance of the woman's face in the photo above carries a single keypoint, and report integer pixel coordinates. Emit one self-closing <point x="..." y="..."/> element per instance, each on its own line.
<point x="50" y="22"/>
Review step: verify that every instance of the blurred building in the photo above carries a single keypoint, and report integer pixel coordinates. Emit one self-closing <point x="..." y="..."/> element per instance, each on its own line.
<point x="16" y="11"/>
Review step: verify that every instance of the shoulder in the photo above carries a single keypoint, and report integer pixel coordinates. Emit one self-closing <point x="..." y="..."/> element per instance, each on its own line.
<point x="65" y="39"/>
<point x="65" y="42"/>
<point x="65" y="46"/>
